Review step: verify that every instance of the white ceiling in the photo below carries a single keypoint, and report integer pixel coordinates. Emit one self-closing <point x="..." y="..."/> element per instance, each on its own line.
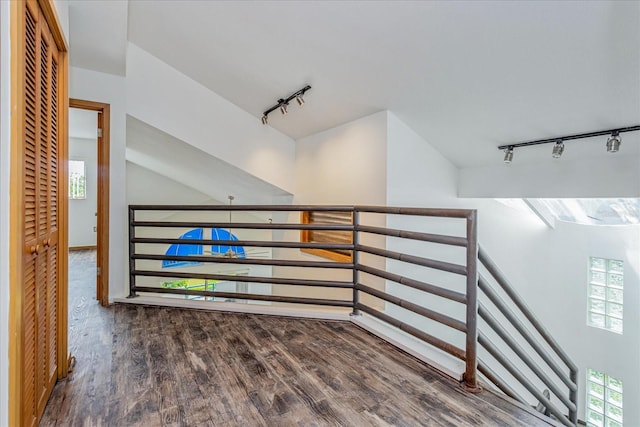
<point x="155" y="150"/>
<point x="466" y="75"/>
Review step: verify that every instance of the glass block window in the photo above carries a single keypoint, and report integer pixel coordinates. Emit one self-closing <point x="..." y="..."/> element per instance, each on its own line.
<point x="77" y="180"/>
<point x="605" y="294"/>
<point x="604" y="400"/>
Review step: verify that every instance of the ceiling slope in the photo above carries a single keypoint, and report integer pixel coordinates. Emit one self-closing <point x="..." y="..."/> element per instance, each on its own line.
<point x="466" y="75"/>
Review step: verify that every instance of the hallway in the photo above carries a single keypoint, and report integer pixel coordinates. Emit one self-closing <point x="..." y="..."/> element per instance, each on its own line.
<point x="151" y="366"/>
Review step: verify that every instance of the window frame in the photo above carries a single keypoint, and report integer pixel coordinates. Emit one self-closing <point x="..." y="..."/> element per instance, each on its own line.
<point x="306" y="237"/>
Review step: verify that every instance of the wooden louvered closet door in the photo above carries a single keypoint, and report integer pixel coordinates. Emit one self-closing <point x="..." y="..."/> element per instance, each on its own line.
<point x="40" y="193"/>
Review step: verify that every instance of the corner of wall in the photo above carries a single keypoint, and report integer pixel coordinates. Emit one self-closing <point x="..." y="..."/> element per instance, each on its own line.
<point x="417" y="173"/>
<point x="5" y="138"/>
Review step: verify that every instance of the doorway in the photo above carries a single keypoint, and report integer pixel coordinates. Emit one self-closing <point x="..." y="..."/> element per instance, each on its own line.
<point x="89" y="171"/>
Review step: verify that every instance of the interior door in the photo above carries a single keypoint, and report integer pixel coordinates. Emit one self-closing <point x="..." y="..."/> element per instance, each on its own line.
<point x="40" y="182"/>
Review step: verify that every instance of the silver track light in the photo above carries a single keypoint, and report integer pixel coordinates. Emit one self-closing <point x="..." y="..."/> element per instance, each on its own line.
<point x="508" y="155"/>
<point x="558" y="149"/>
<point x="613" y="142"/>
<point x="283" y="103"/>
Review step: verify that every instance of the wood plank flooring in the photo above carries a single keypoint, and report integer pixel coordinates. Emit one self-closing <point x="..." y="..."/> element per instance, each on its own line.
<point x="151" y="366"/>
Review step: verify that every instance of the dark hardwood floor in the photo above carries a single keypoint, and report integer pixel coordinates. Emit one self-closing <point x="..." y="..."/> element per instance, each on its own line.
<point x="150" y="366"/>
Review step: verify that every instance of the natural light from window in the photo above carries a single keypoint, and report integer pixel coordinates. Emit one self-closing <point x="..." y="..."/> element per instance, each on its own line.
<point x="77" y="180"/>
<point x="605" y="294"/>
<point x="620" y="211"/>
<point x="604" y="400"/>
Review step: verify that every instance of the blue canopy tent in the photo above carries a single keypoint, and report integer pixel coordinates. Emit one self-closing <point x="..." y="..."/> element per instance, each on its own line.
<point x="185" y="249"/>
<point x="181" y="249"/>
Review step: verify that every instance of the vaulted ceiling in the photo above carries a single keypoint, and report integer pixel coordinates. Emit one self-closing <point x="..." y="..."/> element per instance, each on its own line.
<point x="466" y="75"/>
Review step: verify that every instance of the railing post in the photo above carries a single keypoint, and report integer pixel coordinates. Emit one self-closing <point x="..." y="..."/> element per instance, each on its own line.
<point x="132" y="250"/>
<point x="573" y="396"/>
<point x="471" y="353"/>
<point x="354" y="261"/>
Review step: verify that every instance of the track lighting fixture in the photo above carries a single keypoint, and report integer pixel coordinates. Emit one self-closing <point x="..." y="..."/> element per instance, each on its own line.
<point x="508" y="155"/>
<point x="558" y="149"/>
<point x="613" y="142"/>
<point x="283" y="103"/>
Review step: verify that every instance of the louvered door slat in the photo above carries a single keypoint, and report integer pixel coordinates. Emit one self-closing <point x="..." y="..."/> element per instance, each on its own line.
<point x="52" y="315"/>
<point x="29" y="411"/>
<point x="30" y="206"/>
<point x="41" y="325"/>
<point x="45" y="100"/>
<point x="30" y="139"/>
<point x="53" y="160"/>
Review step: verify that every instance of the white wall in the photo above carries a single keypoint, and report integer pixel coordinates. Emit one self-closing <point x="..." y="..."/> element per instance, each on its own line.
<point x="146" y="187"/>
<point x="168" y="100"/>
<point x="547" y="266"/>
<point x="5" y="153"/>
<point x="82" y="212"/>
<point x="110" y="89"/>
<point x="341" y="166"/>
<point x="610" y="175"/>
<point x="549" y="269"/>
<point x="344" y="165"/>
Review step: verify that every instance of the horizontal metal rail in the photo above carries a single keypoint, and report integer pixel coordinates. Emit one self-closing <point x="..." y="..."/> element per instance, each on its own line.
<point x="412" y="259"/>
<point x="515" y="372"/>
<point x="258" y="297"/>
<point x="429" y="339"/>
<point x="243" y="225"/>
<point x="251" y="243"/>
<point x="445" y="213"/>
<point x="246" y="261"/>
<point x="414" y="235"/>
<point x="418" y="309"/>
<point x="522" y="354"/>
<point x="252" y="279"/>
<point x="525" y="333"/>
<point x="247" y="208"/>
<point x="519" y="302"/>
<point x="413" y="283"/>
<point x="500" y="383"/>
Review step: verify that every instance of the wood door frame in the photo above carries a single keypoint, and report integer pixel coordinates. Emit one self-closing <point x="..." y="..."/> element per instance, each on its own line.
<point x="16" y="235"/>
<point x="102" y="242"/>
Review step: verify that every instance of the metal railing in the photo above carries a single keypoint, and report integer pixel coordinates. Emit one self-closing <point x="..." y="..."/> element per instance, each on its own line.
<point x="558" y="372"/>
<point x="367" y="275"/>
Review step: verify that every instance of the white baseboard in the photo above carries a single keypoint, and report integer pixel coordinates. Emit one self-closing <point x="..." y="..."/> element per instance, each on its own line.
<point x="310" y="312"/>
<point x="432" y="356"/>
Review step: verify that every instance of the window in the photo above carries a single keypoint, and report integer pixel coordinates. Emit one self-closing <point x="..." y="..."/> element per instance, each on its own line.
<point x="328" y="236"/>
<point x="604" y="400"/>
<point x="605" y="294"/>
<point x="77" y="180"/>
<point x="621" y="211"/>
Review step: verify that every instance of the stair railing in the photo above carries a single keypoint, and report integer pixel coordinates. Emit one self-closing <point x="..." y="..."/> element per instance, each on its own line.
<point x="361" y="277"/>
<point x="545" y="347"/>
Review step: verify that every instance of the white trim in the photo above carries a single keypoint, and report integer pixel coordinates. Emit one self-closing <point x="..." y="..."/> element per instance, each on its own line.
<point x="324" y="314"/>
<point x="432" y="356"/>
